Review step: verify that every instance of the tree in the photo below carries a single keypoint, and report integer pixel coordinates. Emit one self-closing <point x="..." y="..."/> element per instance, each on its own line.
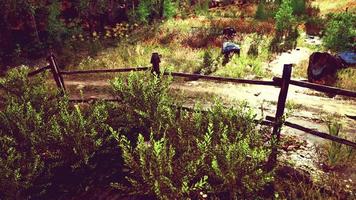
<point x="284" y="17"/>
<point x="148" y="10"/>
<point x="340" y="32"/>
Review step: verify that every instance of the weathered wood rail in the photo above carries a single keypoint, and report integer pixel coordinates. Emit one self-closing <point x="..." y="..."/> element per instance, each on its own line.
<point x="96" y="71"/>
<point x="276" y="122"/>
<point x="221" y="79"/>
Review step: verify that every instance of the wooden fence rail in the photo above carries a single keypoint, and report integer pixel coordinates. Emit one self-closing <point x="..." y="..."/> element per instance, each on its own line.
<point x="33" y="73"/>
<point x="96" y="71"/>
<point x="320" y="88"/>
<point x="316" y="133"/>
<point x="222" y="79"/>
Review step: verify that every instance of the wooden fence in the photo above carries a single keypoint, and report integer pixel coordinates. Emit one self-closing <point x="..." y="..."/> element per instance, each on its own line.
<point x="282" y="82"/>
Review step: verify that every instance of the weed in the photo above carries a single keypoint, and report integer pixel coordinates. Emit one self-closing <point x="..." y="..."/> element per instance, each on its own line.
<point x="336" y="154"/>
<point x="291" y="106"/>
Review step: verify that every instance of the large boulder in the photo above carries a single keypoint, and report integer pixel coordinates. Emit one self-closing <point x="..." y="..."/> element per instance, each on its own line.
<point x="322" y="68"/>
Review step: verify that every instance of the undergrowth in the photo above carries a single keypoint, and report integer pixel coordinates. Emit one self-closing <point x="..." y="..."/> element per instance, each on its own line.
<point x="146" y="146"/>
<point x="180" y="154"/>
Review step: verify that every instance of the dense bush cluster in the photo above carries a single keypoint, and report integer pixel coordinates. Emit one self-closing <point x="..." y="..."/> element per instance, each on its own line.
<point x="50" y="147"/>
<point x="340" y="33"/>
<point x="40" y="134"/>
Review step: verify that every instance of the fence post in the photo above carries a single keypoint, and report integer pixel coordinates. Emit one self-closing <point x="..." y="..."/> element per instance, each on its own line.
<point x="56" y="73"/>
<point x="287" y="71"/>
<point x="155" y="60"/>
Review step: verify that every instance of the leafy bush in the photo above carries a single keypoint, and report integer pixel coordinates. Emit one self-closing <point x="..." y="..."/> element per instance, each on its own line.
<point x="143" y="10"/>
<point x="169" y="9"/>
<point x="149" y="10"/>
<point x="209" y="63"/>
<point x="202" y="7"/>
<point x="284" y="17"/>
<point x="340" y="32"/>
<point x="299" y="7"/>
<point x="41" y="133"/>
<point x="145" y="102"/>
<point x="180" y="154"/>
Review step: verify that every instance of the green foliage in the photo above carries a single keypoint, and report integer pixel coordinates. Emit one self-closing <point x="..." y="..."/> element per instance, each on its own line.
<point x="284" y="17"/>
<point x="286" y="30"/>
<point x="169" y="9"/>
<point x="56" y="28"/>
<point x="148" y="10"/>
<point x="340" y="32"/>
<point x="155" y="171"/>
<point x="242" y="66"/>
<point x="182" y="149"/>
<point x="346" y="78"/>
<point x="145" y="101"/>
<point x="298" y="7"/>
<point x="40" y="132"/>
<point x="209" y="63"/>
<point x="143" y="10"/>
<point x="260" y="12"/>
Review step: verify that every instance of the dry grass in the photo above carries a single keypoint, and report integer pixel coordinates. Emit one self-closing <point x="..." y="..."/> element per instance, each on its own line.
<point x="245" y="25"/>
<point x="332" y="6"/>
<point x="301" y="69"/>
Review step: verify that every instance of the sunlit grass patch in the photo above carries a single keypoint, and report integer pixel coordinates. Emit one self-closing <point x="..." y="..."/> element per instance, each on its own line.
<point x="346" y="78"/>
<point x="301" y="69"/>
<point x="329" y="6"/>
<point x="242" y="66"/>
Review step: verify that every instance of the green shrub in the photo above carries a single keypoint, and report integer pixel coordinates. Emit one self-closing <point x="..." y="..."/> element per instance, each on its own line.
<point x="181" y="154"/>
<point x="340" y="32"/>
<point x="155" y="171"/>
<point x="209" y="63"/>
<point x="145" y="102"/>
<point x="299" y="7"/>
<point x="284" y="17"/>
<point x="202" y="7"/>
<point x="184" y="162"/>
<point x="144" y="10"/>
<point x="169" y="9"/>
<point x="40" y="132"/>
<point x="56" y="28"/>
<point x="150" y="10"/>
